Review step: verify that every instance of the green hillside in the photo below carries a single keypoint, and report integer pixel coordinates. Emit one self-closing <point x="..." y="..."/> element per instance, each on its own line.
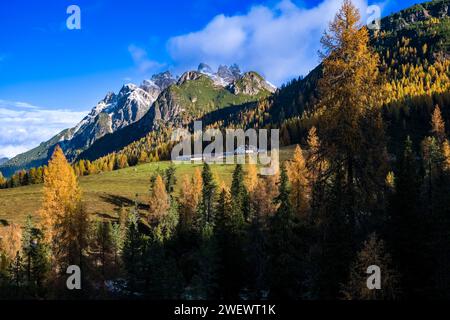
<point x="202" y="96"/>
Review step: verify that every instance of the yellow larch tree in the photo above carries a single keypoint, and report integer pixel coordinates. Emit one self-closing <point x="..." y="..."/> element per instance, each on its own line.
<point x="351" y="96"/>
<point x="298" y="177"/>
<point x="438" y="125"/>
<point x="61" y="194"/>
<point x="446" y="154"/>
<point x="262" y="197"/>
<point x="189" y="199"/>
<point x="251" y="179"/>
<point x="10" y="243"/>
<point x="159" y="204"/>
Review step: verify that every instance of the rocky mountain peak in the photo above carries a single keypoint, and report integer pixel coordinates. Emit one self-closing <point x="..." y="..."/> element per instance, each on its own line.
<point x="110" y="97"/>
<point x="163" y="80"/>
<point x="189" y="76"/>
<point x="235" y="70"/>
<point x="224" y="76"/>
<point x="204" y="68"/>
<point x="229" y="74"/>
<point x="251" y="83"/>
<point x="127" y="88"/>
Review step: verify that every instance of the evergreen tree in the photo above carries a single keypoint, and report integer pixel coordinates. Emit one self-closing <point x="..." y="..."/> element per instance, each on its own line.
<point x="230" y="231"/>
<point x="104" y="247"/>
<point x="170" y="178"/>
<point x="35" y="260"/>
<point x="132" y="255"/>
<point x="205" y="283"/>
<point x="285" y="280"/>
<point x="117" y="243"/>
<point x="27" y="246"/>
<point x="239" y="205"/>
<point x="16" y="274"/>
<point x="208" y="197"/>
<point x="256" y="246"/>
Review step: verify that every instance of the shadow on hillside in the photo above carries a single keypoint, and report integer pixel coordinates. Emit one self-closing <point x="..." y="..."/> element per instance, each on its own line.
<point x="120" y="201"/>
<point x="105" y="216"/>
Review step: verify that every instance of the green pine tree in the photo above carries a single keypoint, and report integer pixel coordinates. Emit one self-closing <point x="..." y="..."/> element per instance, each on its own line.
<point x="208" y="198"/>
<point x="284" y="264"/>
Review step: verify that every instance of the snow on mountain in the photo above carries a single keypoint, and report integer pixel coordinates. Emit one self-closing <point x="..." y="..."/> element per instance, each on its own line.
<point x="163" y="80"/>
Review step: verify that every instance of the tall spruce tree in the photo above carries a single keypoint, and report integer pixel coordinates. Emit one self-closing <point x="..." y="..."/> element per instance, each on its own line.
<point x="231" y="236"/>
<point x="132" y="255"/>
<point x="208" y="197"/>
<point x="285" y="281"/>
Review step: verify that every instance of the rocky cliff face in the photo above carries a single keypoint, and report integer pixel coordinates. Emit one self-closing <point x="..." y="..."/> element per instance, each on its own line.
<point x="189" y="76"/>
<point x="250" y="84"/>
<point x="112" y="113"/>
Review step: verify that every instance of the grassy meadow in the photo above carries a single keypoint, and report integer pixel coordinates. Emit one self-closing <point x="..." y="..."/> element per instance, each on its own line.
<point x="105" y="193"/>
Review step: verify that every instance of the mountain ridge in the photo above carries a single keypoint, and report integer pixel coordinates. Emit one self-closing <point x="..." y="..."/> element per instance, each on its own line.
<point x="134" y="102"/>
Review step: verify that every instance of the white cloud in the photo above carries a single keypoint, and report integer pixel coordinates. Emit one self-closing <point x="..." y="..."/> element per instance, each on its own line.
<point x="280" y="41"/>
<point x="16" y="104"/>
<point x="25" y="126"/>
<point x="141" y="60"/>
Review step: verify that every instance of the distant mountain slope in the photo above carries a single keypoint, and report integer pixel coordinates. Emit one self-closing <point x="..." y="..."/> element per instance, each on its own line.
<point x="3" y="160"/>
<point x="195" y="94"/>
<point x="113" y="113"/>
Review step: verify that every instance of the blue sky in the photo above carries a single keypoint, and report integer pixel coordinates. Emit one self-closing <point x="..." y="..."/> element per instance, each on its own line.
<point x="50" y="76"/>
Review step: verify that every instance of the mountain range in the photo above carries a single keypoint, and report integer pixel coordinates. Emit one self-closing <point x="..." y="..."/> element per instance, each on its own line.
<point x="163" y="99"/>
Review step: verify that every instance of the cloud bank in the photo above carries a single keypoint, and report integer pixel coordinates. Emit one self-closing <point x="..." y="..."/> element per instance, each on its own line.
<point x="281" y="41"/>
<point x="141" y="60"/>
<point x="25" y="126"/>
